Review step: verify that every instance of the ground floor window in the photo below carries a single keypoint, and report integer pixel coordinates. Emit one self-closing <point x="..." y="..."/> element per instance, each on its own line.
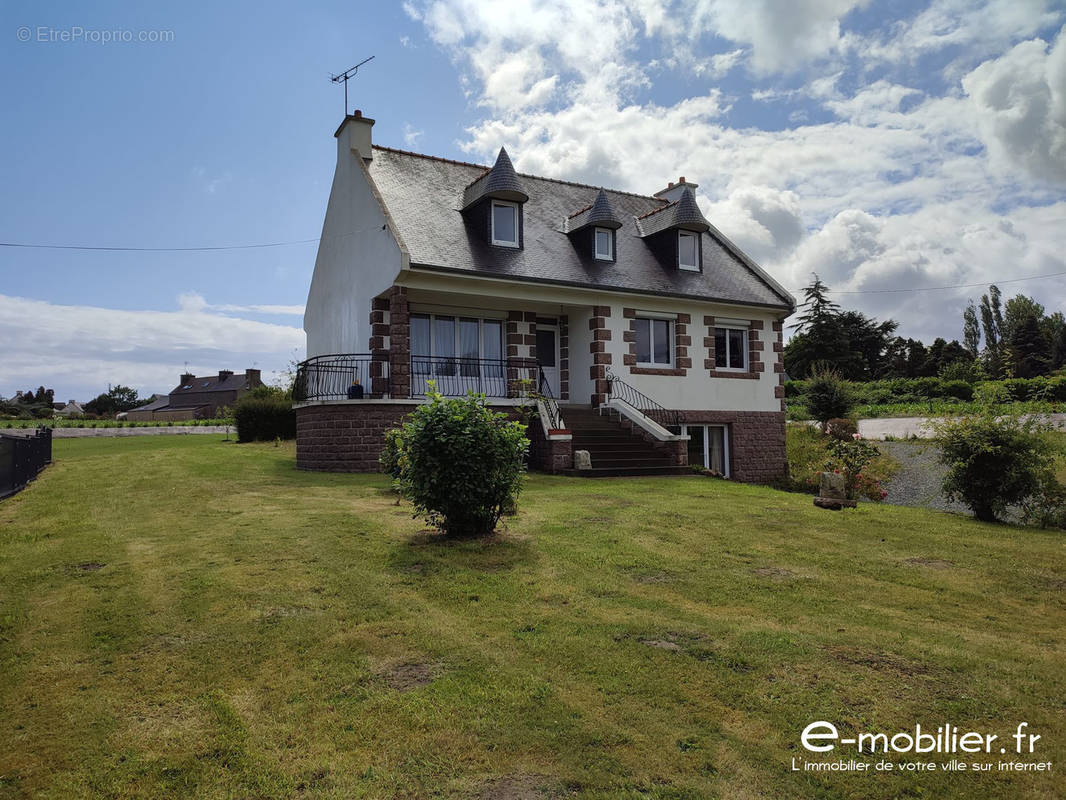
<point x="459" y="353"/>
<point x="708" y="445"/>
<point x="654" y="338"/>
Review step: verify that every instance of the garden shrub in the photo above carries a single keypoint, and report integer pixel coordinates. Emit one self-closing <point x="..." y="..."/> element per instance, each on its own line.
<point x="795" y="388"/>
<point x="828" y="397"/>
<point x="264" y="418"/>
<point x="390" y="458"/>
<point x="957" y="389"/>
<point x="995" y="461"/>
<point x="850" y="457"/>
<point x="460" y="463"/>
<point x="842" y="428"/>
<point x="1057" y="389"/>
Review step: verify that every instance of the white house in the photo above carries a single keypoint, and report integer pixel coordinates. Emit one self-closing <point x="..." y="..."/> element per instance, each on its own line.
<point x="654" y="340"/>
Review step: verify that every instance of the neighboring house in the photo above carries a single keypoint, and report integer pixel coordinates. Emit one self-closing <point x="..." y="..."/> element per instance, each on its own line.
<point x="70" y="409"/>
<point x="145" y="412"/>
<point x="198" y="397"/>
<point x="655" y="341"/>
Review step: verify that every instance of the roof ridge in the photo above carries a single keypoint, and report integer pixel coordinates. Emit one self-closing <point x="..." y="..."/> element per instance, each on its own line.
<point x="579" y="213"/>
<point x="657" y="210"/>
<point x="520" y="174"/>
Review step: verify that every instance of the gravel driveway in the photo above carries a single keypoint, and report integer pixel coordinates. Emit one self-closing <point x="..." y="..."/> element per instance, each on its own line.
<point x="920" y="474"/>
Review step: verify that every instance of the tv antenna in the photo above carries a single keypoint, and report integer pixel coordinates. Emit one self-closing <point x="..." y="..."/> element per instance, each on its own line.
<point x="344" y="76"/>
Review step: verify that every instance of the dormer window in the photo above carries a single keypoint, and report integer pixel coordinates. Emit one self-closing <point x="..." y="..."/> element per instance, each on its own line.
<point x="504" y="224"/>
<point x="688" y="251"/>
<point x="604" y="244"/>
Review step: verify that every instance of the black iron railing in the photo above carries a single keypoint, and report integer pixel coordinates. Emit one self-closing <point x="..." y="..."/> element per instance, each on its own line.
<point x="620" y="390"/>
<point x="341" y="376"/>
<point x="551" y="405"/>
<point x="22" y="458"/>
<point x="455" y="377"/>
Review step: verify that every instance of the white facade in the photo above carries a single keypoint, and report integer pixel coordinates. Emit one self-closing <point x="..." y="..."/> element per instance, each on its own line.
<point x="359" y="255"/>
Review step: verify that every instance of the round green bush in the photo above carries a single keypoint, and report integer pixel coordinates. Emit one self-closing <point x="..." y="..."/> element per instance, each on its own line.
<point x="995" y="461"/>
<point x="460" y="463"/>
<point x="828" y="397"/>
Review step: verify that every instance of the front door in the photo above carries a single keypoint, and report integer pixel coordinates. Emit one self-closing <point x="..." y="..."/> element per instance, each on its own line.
<point x="548" y="355"/>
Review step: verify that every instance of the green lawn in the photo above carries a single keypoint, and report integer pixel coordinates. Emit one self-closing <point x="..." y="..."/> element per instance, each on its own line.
<point x="181" y="616"/>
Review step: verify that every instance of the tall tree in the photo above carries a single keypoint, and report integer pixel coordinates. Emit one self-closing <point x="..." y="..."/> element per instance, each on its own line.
<point x="1028" y="348"/>
<point x="817" y="307"/>
<point x="971" y="330"/>
<point x="1055" y="332"/>
<point x="992" y="322"/>
<point x="1016" y="311"/>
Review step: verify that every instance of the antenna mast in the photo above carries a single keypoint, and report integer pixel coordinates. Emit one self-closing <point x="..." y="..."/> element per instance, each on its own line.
<point x="343" y="78"/>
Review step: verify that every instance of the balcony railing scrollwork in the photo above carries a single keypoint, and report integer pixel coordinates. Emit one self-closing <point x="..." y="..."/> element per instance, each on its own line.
<point x="620" y="390"/>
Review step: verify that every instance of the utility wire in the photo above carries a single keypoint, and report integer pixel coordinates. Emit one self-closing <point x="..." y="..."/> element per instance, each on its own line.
<point x="36" y="246"/>
<point x="153" y="249"/>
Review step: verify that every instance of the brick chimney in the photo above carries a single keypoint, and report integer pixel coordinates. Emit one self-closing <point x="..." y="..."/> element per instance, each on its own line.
<point x="673" y="191"/>
<point x="223" y="374"/>
<point x="353" y="135"/>
<point x="253" y="378"/>
<point x="186" y="377"/>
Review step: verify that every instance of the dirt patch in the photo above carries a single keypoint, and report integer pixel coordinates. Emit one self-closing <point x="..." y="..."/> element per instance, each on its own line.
<point x="410" y="675"/>
<point x="878" y="660"/>
<point x="663" y="644"/>
<point x="274" y="613"/>
<point x="516" y="787"/>
<point x="775" y="573"/>
<point x="653" y="577"/>
<point x="932" y="563"/>
<point x="89" y="566"/>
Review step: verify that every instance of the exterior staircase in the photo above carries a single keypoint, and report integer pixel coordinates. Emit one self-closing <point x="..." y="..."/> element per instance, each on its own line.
<point x="614" y="448"/>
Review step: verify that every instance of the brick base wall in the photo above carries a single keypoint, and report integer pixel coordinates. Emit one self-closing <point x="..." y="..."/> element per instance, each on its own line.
<point x="349" y="437"/>
<point x="345" y="437"/>
<point x="756" y="442"/>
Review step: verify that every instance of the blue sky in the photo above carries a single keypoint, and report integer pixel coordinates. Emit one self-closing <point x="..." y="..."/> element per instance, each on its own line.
<point x="884" y="145"/>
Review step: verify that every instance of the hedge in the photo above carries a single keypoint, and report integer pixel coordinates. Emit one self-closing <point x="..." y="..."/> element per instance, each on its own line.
<point x="917" y="390"/>
<point x="264" y="419"/>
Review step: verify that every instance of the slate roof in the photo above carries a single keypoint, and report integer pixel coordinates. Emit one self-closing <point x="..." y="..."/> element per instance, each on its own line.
<point x="157" y="402"/>
<point x="600" y="213"/>
<point x="682" y="213"/>
<point x="425" y="196"/>
<point x="212" y="383"/>
<point x="501" y="181"/>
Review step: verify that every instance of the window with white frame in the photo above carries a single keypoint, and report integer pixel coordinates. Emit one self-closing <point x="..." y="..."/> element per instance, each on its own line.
<point x="688" y="250"/>
<point x="445" y="345"/>
<point x="654" y="343"/>
<point x="604" y="244"/>
<point x="708" y="445"/>
<point x="504" y="223"/>
<point x="731" y="348"/>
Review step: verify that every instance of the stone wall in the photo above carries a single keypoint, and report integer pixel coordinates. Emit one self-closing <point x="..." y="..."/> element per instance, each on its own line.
<point x="348" y="436"/>
<point x="756" y="442"/>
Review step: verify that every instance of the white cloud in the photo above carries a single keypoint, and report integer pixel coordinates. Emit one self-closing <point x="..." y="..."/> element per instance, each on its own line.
<point x="783" y="34"/>
<point x="411" y="135"/>
<point x="908" y="185"/>
<point x="78" y="350"/>
<point x="1020" y="101"/>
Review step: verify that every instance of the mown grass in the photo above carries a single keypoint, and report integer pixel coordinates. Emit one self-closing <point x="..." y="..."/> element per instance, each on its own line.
<point x="185" y="617"/>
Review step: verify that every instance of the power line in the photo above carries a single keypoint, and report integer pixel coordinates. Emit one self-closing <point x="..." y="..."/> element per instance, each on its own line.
<point x="261" y="245"/>
<point x="35" y="246"/>
<point x="943" y="288"/>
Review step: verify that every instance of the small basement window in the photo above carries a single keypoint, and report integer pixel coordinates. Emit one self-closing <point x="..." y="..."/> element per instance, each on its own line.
<point x="604" y="245"/>
<point x="504" y="224"/>
<point x="653" y="341"/>
<point x="688" y="251"/>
